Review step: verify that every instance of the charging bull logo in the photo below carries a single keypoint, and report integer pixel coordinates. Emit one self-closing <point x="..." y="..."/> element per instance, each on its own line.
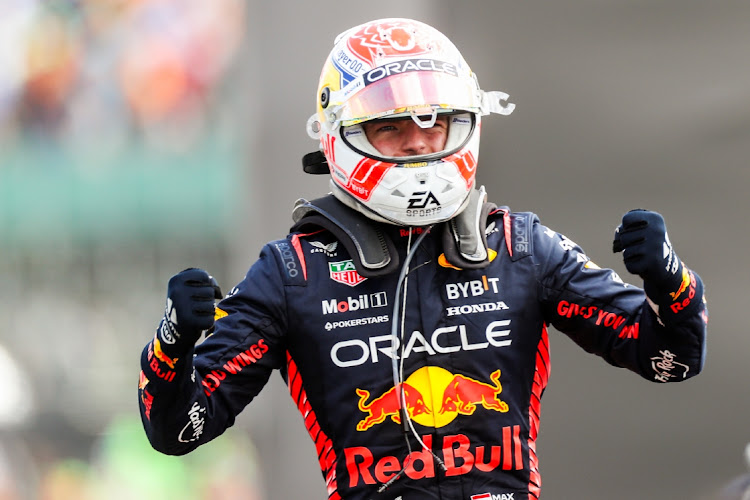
<point x="463" y="394"/>
<point x="387" y="405"/>
<point x="433" y="397"/>
<point x="684" y="284"/>
<point x="388" y="39"/>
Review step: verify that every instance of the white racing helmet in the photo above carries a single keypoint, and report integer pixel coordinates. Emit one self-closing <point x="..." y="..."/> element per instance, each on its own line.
<point x="393" y="68"/>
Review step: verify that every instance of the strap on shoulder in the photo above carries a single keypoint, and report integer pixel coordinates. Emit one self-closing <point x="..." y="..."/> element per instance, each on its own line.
<point x="373" y="252"/>
<point x="465" y="236"/>
<point x="519" y="234"/>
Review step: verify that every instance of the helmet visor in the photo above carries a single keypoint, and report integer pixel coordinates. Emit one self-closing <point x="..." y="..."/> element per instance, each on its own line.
<point x="403" y="92"/>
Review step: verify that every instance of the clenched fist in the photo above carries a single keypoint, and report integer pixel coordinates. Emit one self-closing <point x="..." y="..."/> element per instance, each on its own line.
<point x="189" y="310"/>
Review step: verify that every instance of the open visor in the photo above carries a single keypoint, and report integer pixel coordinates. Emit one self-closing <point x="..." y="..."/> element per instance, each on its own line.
<point x="405" y="91"/>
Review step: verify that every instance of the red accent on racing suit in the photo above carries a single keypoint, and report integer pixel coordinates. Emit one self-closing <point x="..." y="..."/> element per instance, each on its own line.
<point x="474" y="348"/>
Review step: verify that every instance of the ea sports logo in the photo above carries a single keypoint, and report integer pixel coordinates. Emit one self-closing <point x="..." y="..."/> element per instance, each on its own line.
<point x="421" y="199"/>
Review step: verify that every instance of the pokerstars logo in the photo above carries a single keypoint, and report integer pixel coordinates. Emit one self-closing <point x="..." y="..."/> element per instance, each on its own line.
<point x="333" y="306"/>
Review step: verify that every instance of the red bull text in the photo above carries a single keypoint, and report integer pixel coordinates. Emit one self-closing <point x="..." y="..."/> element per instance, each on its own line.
<point x="459" y="455"/>
<point x="433" y="397"/>
<point x="678" y="305"/>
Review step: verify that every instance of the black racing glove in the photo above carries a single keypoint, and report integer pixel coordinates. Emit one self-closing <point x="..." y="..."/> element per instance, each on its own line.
<point x="189" y="311"/>
<point x="646" y="250"/>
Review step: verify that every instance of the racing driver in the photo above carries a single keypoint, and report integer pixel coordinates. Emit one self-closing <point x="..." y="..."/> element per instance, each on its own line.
<point x="407" y="314"/>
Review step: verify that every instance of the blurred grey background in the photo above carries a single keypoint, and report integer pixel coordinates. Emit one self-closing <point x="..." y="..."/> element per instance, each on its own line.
<point x="138" y="138"/>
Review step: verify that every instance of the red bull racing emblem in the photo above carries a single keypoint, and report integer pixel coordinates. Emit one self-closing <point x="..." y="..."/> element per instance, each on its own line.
<point x="345" y="272"/>
<point x="146" y="397"/>
<point x="394" y="38"/>
<point x="159" y="354"/>
<point x="688" y="285"/>
<point x="387" y="405"/>
<point x="434" y="397"/>
<point x="157" y="361"/>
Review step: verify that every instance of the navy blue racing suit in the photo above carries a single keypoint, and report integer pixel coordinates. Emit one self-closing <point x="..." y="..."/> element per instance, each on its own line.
<point x="461" y="418"/>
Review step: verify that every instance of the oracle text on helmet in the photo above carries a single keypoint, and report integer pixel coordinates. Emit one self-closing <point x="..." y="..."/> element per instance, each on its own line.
<point x="406" y="66"/>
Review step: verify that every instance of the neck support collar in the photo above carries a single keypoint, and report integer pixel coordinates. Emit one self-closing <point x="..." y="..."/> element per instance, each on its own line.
<point x="374" y="252"/>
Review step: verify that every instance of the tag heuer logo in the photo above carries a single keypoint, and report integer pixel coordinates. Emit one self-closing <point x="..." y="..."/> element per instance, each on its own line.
<point x="345" y="272"/>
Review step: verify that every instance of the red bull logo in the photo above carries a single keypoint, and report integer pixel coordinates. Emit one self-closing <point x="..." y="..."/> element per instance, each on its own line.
<point x="683" y="285"/>
<point x="433" y="397"/>
<point x="387" y="405"/>
<point x="156" y="362"/>
<point x="459" y="456"/>
<point x="159" y="354"/>
<point x="463" y="394"/>
<point x="146" y="398"/>
<point x="678" y="305"/>
<point x="389" y="39"/>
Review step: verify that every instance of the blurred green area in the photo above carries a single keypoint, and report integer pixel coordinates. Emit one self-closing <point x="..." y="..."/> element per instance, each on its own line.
<point x="50" y="193"/>
<point x="123" y="466"/>
<point x="119" y="162"/>
<point x="86" y="245"/>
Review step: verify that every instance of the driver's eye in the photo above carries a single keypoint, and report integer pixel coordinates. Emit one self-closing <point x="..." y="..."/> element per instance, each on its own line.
<point x="386" y="128"/>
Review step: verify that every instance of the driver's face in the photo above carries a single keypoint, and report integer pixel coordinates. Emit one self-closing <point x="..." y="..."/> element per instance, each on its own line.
<point x="403" y="137"/>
